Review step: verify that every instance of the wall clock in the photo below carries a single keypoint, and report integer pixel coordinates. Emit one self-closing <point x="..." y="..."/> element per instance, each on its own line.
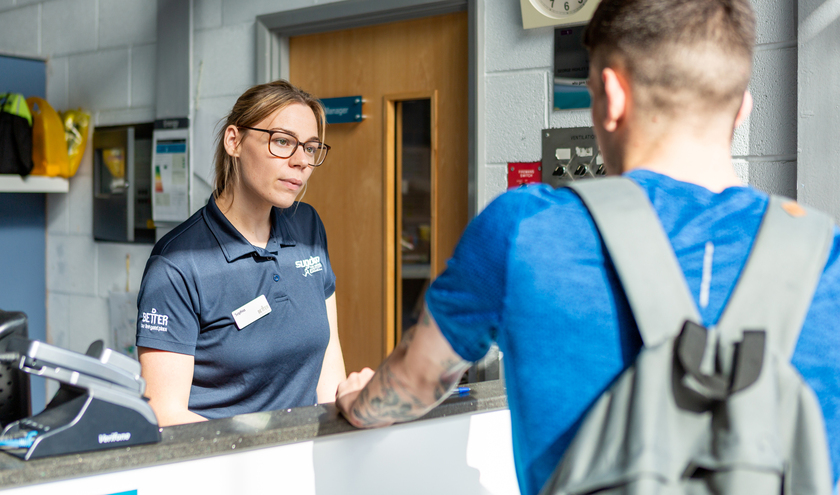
<point x="540" y="13"/>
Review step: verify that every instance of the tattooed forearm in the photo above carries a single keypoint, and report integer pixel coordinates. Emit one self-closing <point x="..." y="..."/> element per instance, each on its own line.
<point x="409" y="384"/>
<point x="386" y="400"/>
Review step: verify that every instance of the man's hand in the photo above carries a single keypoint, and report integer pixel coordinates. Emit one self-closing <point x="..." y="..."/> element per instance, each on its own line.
<point x="416" y="377"/>
<point x="349" y="389"/>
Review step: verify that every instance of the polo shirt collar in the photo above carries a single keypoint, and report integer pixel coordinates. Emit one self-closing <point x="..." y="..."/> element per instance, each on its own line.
<point x="234" y="245"/>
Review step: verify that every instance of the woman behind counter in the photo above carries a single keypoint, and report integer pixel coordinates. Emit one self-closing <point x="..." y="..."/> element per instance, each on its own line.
<point x="237" y="308"/>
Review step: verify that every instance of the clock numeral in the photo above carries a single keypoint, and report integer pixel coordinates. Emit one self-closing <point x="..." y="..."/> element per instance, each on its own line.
<point x="558" y="8"/>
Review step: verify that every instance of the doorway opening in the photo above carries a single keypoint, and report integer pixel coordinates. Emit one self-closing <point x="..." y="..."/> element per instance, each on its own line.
<point x="413" y="213"/>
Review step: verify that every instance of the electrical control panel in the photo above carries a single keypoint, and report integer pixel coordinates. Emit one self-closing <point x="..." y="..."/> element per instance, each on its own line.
<point x="570" y="154"/>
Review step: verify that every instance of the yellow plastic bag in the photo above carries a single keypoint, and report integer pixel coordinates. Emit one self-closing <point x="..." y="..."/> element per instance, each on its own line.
<point x="76" y="123"/>
<point x="115" y="161"/>
<point x="49" y="148"/>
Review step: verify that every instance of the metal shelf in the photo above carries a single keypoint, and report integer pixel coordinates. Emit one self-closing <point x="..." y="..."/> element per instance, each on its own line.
<point x="416" y="270"/>
<point x="33" y="184"/>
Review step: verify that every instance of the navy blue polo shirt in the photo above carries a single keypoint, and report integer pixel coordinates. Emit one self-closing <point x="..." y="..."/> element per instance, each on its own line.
<point x="203" y="271"/>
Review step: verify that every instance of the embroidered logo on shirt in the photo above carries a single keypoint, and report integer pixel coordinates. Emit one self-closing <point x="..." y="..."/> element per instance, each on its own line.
<point x="310" y="266"/>
<point x="154" y="321"/>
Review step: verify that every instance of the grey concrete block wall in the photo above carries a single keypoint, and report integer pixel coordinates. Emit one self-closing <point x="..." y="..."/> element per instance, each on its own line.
<point x="207" y="14"/>
<point x="508" y="47"/>
<point x="226" y="59"/>
<point x="68" y="26"/>
<point x="772" y="127"/>
<point x="20" y="30"/>
<point x="775" y="20"/>
<point x="142" y="76"/>
<point x="90" y="79"/>
<point x="237" y="12"/>
<point x="818" y="67"/>
<point x="71" y="265"/>
<point x="57" y="71"/>
<point x="516" y="116"/>
<point x="206" y="124"/>
<point x="773" y="123"/>
<point x="126" y="22"/>
<point x="120" y="267"/>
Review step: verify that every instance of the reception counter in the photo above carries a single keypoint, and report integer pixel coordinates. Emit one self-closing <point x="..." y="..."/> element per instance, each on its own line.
<point x="462" y="446"/>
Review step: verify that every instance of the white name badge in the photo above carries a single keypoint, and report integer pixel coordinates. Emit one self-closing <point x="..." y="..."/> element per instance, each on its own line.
<point x="251" y="312"/>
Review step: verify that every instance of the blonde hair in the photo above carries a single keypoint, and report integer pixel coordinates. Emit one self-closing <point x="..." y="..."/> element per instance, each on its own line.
<point x="253" y="106"/>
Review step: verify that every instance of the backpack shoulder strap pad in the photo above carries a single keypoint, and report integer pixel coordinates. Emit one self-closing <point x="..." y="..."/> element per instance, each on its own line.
<point x="642" y="254"/>
<point x="790" y="252"/>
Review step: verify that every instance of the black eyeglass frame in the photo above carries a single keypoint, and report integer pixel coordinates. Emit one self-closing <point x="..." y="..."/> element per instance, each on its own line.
<point x="294" y="149"/>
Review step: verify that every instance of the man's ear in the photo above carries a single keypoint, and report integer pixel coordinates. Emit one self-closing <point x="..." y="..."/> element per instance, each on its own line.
<point x="231" y="140"/>
<point x="616" y="93"/>
<point x="746" y="108"/>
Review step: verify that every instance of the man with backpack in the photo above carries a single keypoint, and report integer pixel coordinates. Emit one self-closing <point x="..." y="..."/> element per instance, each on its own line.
<point x="534" y="273"/>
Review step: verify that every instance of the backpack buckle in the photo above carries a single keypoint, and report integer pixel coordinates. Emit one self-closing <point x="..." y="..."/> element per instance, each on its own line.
<point x="747" y="363"/>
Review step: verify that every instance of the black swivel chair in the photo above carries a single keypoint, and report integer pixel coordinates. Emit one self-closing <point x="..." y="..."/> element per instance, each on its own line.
<point x="15" y="397"/>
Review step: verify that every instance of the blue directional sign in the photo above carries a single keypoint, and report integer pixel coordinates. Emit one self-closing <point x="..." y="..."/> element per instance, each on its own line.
<point x="343" y="110"/>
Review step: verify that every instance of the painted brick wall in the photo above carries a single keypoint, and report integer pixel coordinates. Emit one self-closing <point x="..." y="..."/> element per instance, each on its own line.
<point x="101" y="56"/>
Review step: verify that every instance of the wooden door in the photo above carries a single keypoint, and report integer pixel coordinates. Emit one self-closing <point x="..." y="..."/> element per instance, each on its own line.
<point x="354" y="190"/>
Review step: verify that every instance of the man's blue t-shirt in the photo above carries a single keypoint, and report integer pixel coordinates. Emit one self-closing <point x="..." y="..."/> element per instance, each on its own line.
<point x="203" y="271"/>
<point x="531" y="273"/>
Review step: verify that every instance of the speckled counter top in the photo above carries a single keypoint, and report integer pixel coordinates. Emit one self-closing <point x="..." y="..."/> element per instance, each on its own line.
<point x="223" y="436"/>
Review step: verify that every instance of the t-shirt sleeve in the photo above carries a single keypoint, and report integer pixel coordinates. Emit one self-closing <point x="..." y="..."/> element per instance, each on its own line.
<point x="166" y="318"/>
<point x="817" y="354"/>
<point x="329" y="275"/>
<point x="467" y="299"/>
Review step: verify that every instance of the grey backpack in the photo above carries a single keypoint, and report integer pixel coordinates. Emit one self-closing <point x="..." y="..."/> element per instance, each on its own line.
<point x="705" y="411"/>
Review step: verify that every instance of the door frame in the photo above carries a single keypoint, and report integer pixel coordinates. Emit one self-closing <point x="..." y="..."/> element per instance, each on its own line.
<point x="272" y="52"/>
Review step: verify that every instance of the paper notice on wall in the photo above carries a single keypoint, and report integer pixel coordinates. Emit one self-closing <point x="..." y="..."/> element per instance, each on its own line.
<point x="122" y="310"/>
<point x="170" y="198"/>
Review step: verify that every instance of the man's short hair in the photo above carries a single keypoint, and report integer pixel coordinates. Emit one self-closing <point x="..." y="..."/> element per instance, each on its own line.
<point x="678" y="54"/>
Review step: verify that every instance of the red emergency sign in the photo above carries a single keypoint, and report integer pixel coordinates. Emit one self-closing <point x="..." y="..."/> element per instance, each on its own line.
<point x="524" y="173"/>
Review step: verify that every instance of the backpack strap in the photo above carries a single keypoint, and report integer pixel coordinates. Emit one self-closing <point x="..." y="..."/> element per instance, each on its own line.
<point x="642" y="254"/>
<point x="790" y="251"/>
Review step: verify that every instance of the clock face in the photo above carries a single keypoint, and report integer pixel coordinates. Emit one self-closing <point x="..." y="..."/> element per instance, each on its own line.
<point x="558" y="8"/>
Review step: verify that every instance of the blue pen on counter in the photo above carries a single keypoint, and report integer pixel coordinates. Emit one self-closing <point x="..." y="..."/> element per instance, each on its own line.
<point x="20" y="440"/>
<point x="460" y="392"/>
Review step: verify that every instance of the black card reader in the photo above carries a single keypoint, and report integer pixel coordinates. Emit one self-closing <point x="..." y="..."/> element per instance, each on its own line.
<point x="99" y="404"/>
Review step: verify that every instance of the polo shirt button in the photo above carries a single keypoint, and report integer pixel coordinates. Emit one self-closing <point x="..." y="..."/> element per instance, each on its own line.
<point x="277" y="278"/>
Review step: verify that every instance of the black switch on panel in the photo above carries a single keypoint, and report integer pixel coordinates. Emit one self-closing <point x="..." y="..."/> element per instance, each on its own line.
<point x="569" y="154"/>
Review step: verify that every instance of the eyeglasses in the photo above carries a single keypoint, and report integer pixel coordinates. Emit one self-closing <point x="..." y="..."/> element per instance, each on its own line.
<point x="284" y="145"/>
